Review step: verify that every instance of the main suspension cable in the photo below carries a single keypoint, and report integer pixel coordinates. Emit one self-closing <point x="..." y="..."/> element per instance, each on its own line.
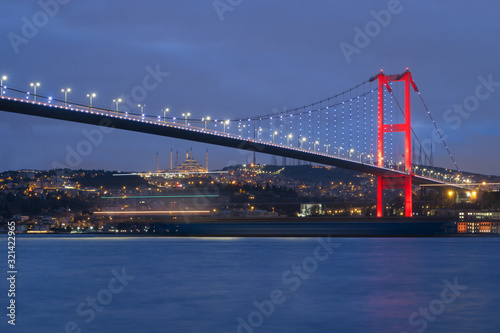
<point x="412" y="130"/>
<point x="439" y="132"/>
<point x="312" y="104"/>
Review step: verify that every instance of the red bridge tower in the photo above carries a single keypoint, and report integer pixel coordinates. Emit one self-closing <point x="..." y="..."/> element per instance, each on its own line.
<point x="403" y="181"/>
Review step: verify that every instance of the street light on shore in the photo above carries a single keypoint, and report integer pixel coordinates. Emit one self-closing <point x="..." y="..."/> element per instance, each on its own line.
<point x="35" y="85"/>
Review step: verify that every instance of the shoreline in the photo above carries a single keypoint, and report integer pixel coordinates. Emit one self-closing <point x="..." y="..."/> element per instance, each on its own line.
<point x="285" y="227"/>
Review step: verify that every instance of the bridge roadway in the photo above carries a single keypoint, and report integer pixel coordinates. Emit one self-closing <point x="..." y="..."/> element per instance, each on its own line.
<point x="138" y="123"/>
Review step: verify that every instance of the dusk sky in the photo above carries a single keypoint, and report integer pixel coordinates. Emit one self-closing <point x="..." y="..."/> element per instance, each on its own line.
<point x="233" y="58"/>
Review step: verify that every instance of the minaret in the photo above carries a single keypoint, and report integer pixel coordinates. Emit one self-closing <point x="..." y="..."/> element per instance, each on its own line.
<point x="171" y="159"/>
<point x="176" y="159"/>
<point x="157" y="162"/>
<point x="206" y="160"/>
<point x="191" y="153"/>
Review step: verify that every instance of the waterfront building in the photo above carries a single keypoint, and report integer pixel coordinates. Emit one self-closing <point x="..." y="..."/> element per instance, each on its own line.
<point x="478" y="215"/>
<point x="474" y="227"/>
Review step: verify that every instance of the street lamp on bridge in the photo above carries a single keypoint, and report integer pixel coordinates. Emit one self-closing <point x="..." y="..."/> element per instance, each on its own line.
<point x="91" y="96"/>
<point x="116" y="101"/>
<point x="274" y="133"/>
<point x="315" y="143"/>
<point x="301" y="141"/>
<point x="338" y="151"/>
<point x="142" y="109"/>
<point x="165" y="111"/>
<point x="205" y="120"/>
<point x="350" y="152"/>
<point x="288" y="137"/>
<point x="35" y="85"/>
<point x="258" y="134"/>
<point x="66" y="92"/>
<point x="2" y="78"/>
<point x="186" y="116"/>
<point x="327" y="145"/>
<point x="241" y="127"/>
<point x="224" y="123"/>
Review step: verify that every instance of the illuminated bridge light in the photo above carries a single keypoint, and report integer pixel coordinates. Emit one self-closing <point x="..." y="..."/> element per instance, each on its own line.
<point x="153" y="212"/>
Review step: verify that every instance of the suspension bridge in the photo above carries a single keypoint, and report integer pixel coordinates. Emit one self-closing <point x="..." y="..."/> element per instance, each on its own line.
<point x="366" y="128"/>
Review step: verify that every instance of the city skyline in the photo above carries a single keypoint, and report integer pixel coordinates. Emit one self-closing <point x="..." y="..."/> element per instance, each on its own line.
<point x="209" y="62"/>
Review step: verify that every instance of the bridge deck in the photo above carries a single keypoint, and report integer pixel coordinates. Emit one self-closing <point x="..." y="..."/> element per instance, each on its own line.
<point x="144" y="125"/>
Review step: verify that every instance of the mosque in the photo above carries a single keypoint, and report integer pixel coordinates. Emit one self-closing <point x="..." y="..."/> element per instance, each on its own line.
<point x="190" y="165"/>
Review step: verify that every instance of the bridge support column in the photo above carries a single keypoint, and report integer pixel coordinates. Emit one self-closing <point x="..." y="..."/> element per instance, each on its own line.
<point x="405" y="180"/>
<point x="394" y="182"/>
<point x="380" y="197"/>
<point x="408" y="196"/>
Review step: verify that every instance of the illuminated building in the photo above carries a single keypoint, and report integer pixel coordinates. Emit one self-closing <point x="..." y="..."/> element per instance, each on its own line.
<point x="190" y="165"/>
<point x="478" y="215"/>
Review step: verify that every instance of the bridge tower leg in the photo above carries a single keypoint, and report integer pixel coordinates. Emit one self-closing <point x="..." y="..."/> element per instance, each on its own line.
<point x="405" y="180"/>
